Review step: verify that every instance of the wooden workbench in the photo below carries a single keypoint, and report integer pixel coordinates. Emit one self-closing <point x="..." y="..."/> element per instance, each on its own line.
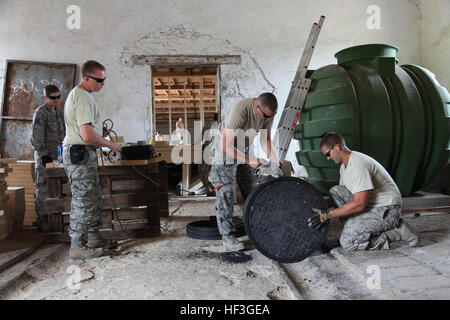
<point x="138" y="202"/>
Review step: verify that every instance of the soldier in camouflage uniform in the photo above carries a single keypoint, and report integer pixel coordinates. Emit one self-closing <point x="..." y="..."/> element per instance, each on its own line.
<point x="84" y="134"/>
<point x="47" y="132"/>
<point x="208" y="133"/>
<point x="243" y="120"/>
<point x="368" y="200"/>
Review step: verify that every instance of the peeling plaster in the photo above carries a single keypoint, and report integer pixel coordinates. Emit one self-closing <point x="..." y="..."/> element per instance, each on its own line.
<point x="236" y="81"/>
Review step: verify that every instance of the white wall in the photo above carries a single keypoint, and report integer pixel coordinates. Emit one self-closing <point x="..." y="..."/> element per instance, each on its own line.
<point x="269" y="35"/>
<point x="436" y="39"/>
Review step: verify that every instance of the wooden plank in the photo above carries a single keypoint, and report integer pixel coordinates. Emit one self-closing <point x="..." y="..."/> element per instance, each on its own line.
<point x="153" y="105"/>
<point x="53" y="205"/>
<point x="127" y="185"/>
<point x="135" y="226"/>
<point x="170" y="115"/>
<point x="131" y="213"/>
<point x="181" y="87"/>
<point x="65" y="189"/>
<point x="186" y="172"/>
<point x="170" y="60"/>
<point x="195" y="98"/>
<point x="16" y="207"/>
<point x="185" y="102"/>
<point x="55" y="222"/>
<point x="196" y="183"/>
<point x="110" y="166"/>
<point x="8" y="160"/>
<point x="54" y="189"/>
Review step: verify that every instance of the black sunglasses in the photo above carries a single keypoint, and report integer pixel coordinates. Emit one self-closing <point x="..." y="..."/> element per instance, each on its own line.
<point x="97" y="79"/>
<point x="265" y="115"/>
<point x="54" y="98"/>
<point x="328" y="153"/>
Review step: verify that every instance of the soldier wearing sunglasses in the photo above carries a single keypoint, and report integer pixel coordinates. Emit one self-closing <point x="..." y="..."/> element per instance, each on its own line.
<point x="85" y="133"/>
<point x="243" y="120"/>
<point x="47" y="132"/>
<point x="367" y="198"/>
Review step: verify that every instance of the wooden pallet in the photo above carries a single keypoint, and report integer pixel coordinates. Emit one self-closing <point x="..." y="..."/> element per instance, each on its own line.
<point x="23" y="175"/>
<point x="16" y="207"/>
<point x="137" y="208"/>
<point x="6" y="218"/>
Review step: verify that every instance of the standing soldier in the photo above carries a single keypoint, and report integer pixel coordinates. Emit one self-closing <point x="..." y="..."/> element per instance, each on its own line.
<point x="243" y="120"/>
<point x="47" y="132"/>
<point x="85" y="133"/>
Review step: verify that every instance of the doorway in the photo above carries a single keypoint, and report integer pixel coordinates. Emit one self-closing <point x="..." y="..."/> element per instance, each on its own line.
<point x="185" y="94"/>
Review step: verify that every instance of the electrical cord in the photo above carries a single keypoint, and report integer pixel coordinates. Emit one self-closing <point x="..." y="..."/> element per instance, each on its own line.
<point x="112" y="198"/>
<point x="111" y="155"/>
<point x="145" y="176"/>
<point x="111" y="158"/>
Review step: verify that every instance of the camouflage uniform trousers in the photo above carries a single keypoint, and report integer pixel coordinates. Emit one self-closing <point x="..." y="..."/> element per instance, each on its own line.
<point x="87" y="204"/>
<point x="224" y="174"/>
<point x="41" y="191"/>
<point x="365" y="230"/>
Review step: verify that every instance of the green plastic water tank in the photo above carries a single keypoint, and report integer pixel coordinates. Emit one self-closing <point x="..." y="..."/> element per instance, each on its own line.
<point x="399" y="115"/>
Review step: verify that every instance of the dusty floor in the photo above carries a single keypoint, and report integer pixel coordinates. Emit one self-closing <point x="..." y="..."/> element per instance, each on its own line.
<point x="174" y="266"/>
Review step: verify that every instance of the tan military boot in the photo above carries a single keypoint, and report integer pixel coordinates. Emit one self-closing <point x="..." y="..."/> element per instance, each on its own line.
<point x="82" y="252"/>
<point x="107" y="244"/>
<point x="404" y="232"/>
<point x="97" y="241"/>
<point x="230" y="243"/>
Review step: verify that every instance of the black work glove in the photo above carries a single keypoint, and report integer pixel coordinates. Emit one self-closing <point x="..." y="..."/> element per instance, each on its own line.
<point x="319" y="220"/>
<point x="46" y="159"/>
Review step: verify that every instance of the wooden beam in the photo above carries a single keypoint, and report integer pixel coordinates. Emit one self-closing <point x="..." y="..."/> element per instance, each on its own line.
<point x="181" y="87"/>
<point x="185" y="104"/>
<point x="170" y="115"/>
<point x="195" y="76"/>
<point x="188" y="98"/>
<point x="179" y="104"/>
<point x="174" y="60"/>
<point x="202" y="104"/>
<point x="211" y="108"/>
<point x="156" y="81"/>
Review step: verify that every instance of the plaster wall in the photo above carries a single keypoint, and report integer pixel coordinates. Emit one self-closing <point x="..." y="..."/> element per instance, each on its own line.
<point x="269" y="35"/>
<point x="436" y="39"/>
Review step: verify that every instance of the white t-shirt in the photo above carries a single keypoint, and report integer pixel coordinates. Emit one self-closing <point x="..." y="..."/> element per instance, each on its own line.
<point x="241" y="118"/>
<point x="80" y="108"/>
<point x="365" y="173"/>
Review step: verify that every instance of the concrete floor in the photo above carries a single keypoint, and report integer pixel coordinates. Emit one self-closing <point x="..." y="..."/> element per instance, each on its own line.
<point x="174" y="266"/>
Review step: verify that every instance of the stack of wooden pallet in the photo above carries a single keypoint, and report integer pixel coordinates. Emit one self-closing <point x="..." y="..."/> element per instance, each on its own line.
<point x="22" y="175"/>
<point x="6" y="222"/>
<point x="16" y="207"/>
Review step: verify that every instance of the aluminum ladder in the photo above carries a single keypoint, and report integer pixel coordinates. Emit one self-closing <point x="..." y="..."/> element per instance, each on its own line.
<point x="297" y="95"/>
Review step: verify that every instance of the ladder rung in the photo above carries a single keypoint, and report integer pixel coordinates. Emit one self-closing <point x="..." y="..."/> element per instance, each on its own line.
<point x="297" y="95"/>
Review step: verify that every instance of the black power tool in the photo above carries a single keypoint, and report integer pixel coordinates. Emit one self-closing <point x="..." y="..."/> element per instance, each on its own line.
<point x="138" y="152"/>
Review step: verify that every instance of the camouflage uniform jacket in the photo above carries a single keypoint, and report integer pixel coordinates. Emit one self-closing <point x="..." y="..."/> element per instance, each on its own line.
<point x="47" y="131"/>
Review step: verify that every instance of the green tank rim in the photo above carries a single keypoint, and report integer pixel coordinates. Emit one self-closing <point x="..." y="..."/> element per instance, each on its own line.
<point x="366" y="52"/>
